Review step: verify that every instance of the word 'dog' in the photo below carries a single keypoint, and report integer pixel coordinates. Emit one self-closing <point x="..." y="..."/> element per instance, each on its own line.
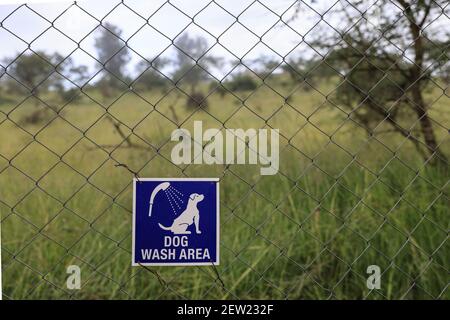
<point x="176" y="241"/>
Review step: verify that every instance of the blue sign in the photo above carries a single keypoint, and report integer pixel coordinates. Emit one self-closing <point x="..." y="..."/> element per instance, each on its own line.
<point x="176" y="221"/>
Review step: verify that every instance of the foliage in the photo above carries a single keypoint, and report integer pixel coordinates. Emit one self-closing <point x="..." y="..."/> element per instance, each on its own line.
<point x="242" y="82"/>
<point x="150" y="75"/>
<point x="113" y="54"/>
<point x="386" y="61"/>
<point x="30" y="71"/>
<point x="190" y="63"/>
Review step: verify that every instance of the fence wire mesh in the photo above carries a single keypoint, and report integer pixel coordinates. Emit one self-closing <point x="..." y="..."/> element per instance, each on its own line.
<point x="358" y="89"/>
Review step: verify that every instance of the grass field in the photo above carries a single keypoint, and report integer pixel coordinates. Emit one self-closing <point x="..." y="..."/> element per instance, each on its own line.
<point x="309" y="232"/>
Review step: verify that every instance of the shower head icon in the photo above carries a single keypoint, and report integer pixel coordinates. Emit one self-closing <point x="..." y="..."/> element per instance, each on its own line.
<point x="162" y="186"/>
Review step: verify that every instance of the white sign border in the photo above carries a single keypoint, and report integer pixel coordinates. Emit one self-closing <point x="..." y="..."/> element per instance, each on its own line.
<point x="185" y="264"/>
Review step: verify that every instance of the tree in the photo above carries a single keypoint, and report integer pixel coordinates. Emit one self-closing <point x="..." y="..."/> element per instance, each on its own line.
<point x="191" y="50"/>
<point x="242" y="82"/>
<point x="69" y="91"/>
<point x="113" y="54"/>
<point x="311" y="69"/>
<point x="388" y="57"/>
<point x="39" y="73"/>
<point x="149" y="77"/>
<point x="30" y="71"/>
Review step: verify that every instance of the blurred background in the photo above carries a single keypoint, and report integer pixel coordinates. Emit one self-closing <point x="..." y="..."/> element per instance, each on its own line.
<point x="90" y="92"/>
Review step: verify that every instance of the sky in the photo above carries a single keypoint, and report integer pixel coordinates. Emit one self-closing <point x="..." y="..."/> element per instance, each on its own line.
<point x="23" y="27"/>
<point x="155" y="24"/>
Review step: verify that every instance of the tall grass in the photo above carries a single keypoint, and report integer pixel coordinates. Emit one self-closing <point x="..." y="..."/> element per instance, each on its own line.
<point x="309" y="232"/>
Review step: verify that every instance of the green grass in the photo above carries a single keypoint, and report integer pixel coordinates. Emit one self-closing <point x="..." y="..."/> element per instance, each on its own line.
<point x="309" y="232"/>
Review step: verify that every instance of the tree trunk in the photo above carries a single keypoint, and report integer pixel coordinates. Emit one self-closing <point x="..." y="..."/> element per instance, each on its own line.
<point x="427" y="129"/>
<point x="420" y="107"/>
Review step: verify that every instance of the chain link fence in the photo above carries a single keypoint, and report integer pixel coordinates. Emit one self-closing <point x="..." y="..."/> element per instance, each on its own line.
<point x="358" y="89"/>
